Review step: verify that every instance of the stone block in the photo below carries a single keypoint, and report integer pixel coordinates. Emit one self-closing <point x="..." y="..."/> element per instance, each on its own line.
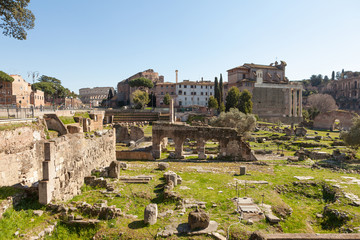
<point x="150" y="214"/>
<point x="163" y="166"/>
<point x="198" y="219"/>
<point x="242" y="170"/>
<point x="114" y="169"/>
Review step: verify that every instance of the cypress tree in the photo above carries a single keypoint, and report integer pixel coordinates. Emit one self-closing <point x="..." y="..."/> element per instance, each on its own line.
<point x="333" y="75"/>
<point x="221" y="88"/>
<point x="216" y="90"/>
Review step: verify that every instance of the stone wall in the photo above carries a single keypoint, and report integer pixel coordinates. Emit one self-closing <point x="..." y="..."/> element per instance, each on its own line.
<point x="70" y="158"/>
<point x="21" y="155"/>
<point x="327" y="120"/>
<point x="133" y="155"/>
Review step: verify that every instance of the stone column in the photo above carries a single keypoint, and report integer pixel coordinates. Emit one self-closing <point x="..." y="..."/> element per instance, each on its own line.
<point x="300" y="103"/>
<point x="179" y="148"/>
<point x="156" y="148"/>
<point x="201" y="148"/>
<point x="171" y="110"/>
<point x="295" y="103"/>
<point x="290" y="102"/>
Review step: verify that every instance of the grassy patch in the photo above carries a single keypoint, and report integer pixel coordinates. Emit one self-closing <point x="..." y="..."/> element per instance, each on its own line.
<point x="67" y="120"/>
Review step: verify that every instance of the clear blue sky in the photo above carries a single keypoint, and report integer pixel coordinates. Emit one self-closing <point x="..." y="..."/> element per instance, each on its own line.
<point x="88" y="43"/>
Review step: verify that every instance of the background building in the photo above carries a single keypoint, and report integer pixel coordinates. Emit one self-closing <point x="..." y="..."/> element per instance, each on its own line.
<point x="190" y="93"/>
<point x="16" y="93"/>
<point x="124" y="90"/>
<point x="274" y="97"/>
<point x="37" y="98"/>
<point x="94" y="96"/>
<point x="161" y="89"/>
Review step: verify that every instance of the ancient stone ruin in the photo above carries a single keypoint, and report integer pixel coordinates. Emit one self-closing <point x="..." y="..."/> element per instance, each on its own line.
<point x="231" y="143"/>
<point x="327" y="120"/>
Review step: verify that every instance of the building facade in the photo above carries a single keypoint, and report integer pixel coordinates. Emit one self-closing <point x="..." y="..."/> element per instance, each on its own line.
<point x="16" y="93"/>
<point x="274" y="97"/>
<point x="161" y="89"/>
<point x="94" y="96"/>
<point x="37" y="98"/>
<point x="190" y="93"/>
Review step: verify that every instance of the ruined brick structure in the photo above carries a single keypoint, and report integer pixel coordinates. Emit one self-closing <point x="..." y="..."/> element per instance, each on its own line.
<point x="346" y="91"/>
<point x="274" y="97"/>
<point x="124" y="90"/>
<point x="231" y="144"/>
<point x="327" y="120"/>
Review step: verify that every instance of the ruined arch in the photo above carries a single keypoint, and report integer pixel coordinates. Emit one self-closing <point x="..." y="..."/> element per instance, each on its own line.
<point x="326" y="120"/>
<point x="231" y="144"/>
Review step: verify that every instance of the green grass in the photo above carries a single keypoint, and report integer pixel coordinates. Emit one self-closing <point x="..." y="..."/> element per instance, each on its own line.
<point x="82" y="114"/>
<point x="67" y="120"/>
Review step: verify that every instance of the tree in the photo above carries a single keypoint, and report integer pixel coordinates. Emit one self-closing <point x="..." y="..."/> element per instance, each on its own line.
<point x="221" y="89"/>
<point x="110" y="95"/>
<point x="213" y="103"/>
<point x="222" y="107"/>
<point x="333" y="75"/>
<point x="52" y="88"/>
<point x="351" y="137"/>
<point x="5" y="77"/>
<point x="216" y="89"/>
<point x="167" y="99"/>
<point x="232" y="99"/>
<point x="16" y="18"/>
<point x="245" y="103"/>
<point x="316" y="80"/>
<point x="243" y="123"/>
<point x="140" y="98"/>
<point x="141" y="82"/>
<point x="322" y="102"/>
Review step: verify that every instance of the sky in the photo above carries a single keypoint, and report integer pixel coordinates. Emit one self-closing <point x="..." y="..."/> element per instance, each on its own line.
<point x="88" y="43"/>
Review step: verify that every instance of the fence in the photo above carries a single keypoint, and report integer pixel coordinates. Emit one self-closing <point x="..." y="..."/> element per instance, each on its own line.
<point x="22" y="113"/>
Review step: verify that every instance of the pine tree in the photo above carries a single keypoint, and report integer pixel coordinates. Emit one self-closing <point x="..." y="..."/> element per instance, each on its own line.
<point x="221" y="89"/>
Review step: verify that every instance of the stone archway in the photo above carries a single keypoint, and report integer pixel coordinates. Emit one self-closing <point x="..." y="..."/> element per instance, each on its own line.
<point x="326" y="120"/>
<point x="231" y="144"/>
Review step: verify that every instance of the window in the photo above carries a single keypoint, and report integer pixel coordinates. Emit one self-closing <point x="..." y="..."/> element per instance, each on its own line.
<point x="206" y="87"/>
<point x="180" y="92"/>
<point x="185" y="99"/>
<point x="162" y="93"/>
<point x="202" y="93"/>
<point x="210" y="93"/>
<point x="206" y="93"/>
<point x="210" y="87"/>
<point x="180" y="86"/>
<point x="172" y="93"/>
<point x="191" y="86"/>
<point x="194" y="93"/>
<point x="185" y="86"/>
<point x="201" y="87"/>
<point x="184" y="93"/>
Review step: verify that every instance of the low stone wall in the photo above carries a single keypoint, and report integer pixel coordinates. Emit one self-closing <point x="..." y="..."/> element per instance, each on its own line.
<point x="133" y="155"/>
<point x="70" y="158"/>
<point x="21" y="155"/>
